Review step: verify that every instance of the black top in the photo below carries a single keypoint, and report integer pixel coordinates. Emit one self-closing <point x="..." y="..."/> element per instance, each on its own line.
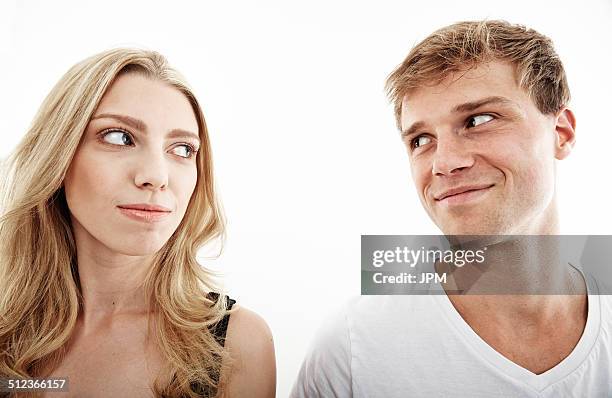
<point x="219" y="330"/>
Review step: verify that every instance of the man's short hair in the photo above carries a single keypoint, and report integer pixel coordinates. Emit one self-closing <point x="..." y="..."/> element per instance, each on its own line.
<point x="467" y="44"/>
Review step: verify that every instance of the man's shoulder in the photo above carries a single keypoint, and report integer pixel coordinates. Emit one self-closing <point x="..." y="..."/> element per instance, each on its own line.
<point x="371" y="307"/>
<point x="353" y="314"/>
<point x="604" y="292"/>
<point x="362" y="314"/>
<point x="366" y="327"/>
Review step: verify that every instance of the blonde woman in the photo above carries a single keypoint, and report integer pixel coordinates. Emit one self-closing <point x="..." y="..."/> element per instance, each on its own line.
<point x="106" y="201"/>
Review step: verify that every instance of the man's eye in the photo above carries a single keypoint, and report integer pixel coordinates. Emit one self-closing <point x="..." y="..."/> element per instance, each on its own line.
<point x="184" y="150"/>
<point x="477" y="120"/>
<point x="418" y="141"/>
<point x="118" y="136"/>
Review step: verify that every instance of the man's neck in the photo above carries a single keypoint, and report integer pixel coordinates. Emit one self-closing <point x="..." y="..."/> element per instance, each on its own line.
<point x="523" y="281"/>
<point x="514" y="265"/>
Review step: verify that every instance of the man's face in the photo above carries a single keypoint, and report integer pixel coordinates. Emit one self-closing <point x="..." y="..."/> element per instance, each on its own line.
<point x="479" y="131"/>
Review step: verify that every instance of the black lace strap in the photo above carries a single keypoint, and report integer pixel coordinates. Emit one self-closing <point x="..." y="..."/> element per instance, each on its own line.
<point x="219" y="330"/>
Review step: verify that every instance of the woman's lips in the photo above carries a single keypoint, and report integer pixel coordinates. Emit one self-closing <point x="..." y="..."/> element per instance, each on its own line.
<point x="144" y="215"/>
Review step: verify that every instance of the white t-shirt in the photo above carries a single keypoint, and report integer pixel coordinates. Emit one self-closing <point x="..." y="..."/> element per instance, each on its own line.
<point x="420" y="346"/>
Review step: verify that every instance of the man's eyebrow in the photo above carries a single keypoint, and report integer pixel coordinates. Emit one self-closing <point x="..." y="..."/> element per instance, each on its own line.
<point x="141" y="126"/>
<point x="466" y="107"/>
<point x="470" y="106"/>
<point x="413" y="129"/>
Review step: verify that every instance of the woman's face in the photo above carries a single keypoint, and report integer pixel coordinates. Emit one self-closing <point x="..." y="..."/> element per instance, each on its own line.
<point x="139" y="148"/>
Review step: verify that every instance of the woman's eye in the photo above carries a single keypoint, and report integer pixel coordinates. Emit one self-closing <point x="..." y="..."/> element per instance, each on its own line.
<point x="189" y="150"/>
<point x="118" y="137"/>
<point x="477" y="120"/>
<point x="418" y="141"/>
<point x="123" y="138"/>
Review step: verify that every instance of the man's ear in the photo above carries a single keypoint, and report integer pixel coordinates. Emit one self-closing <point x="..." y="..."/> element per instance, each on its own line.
<point x="565" y="129"/>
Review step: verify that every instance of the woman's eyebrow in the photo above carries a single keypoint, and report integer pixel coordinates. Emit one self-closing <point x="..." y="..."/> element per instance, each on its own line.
<point x="180" y="133"/>
<point x="141" y="126"/>
<point x="130" y="121"/>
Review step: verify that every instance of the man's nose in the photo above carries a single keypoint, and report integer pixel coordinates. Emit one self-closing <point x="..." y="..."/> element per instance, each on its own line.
<point x="452" y="154"/>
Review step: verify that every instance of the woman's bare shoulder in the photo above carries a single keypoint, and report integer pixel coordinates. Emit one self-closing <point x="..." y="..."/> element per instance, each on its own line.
<point x="251" y="346"/>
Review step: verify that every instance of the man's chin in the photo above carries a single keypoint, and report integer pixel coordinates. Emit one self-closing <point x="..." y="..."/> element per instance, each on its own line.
<point x="472" y="229"/>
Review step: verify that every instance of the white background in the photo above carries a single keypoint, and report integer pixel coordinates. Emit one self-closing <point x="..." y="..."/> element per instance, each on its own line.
<point x="306" y="153"/>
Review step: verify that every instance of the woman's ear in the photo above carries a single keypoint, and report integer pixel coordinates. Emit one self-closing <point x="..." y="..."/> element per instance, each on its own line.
<point x="565" y="128"/>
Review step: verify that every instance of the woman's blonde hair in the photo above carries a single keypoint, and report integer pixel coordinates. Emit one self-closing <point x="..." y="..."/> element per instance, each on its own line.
<point x="467" y="44"/>
<point x="40" y="294"/>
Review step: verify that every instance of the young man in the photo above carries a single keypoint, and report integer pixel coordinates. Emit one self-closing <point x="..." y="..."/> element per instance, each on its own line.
<point x="482" y="107"/>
